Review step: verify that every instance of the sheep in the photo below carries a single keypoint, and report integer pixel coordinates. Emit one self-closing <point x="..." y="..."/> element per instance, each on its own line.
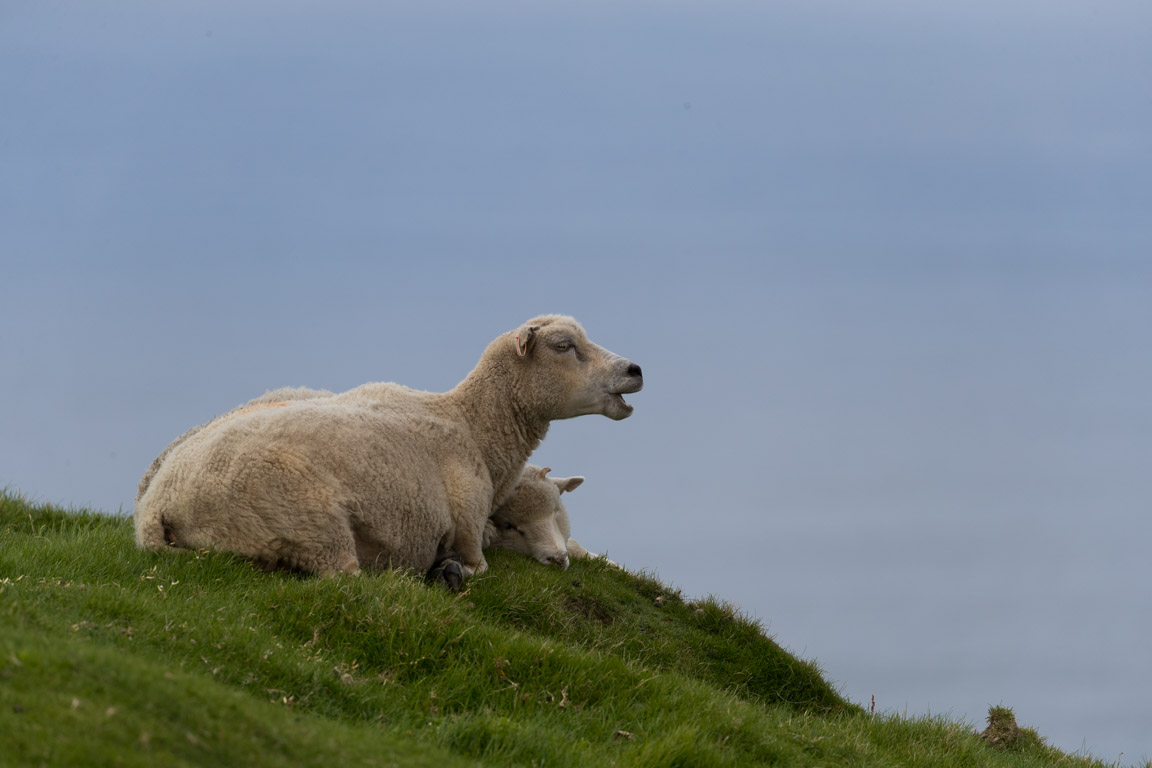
<point x="535" y="522"/>
<point x="382" y="475"/>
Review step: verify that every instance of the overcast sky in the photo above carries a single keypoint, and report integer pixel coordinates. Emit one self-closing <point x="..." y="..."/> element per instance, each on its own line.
<point x="887" y="268"/>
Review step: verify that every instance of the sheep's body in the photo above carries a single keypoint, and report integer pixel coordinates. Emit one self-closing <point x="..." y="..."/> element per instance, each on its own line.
<point x="381" y="475"/>
<point x="532" y="520"/>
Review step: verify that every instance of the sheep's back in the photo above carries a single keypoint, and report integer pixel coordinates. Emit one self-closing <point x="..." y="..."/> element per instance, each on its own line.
<point x="385" y="470"/>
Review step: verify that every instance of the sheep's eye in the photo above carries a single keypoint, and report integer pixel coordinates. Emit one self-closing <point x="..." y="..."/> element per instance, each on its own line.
<point x="564" y="346"/>
<point x="507" y="526"/>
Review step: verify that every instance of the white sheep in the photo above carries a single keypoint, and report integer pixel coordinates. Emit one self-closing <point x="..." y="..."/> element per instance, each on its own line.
<point x="534" y="521"/>
<point x="381" y="475"/>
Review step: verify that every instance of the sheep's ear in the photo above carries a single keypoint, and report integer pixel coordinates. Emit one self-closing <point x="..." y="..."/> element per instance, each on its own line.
<point x="524" y="338"/>
<point x="567" y="483"/>
<point x="543" y="473"/>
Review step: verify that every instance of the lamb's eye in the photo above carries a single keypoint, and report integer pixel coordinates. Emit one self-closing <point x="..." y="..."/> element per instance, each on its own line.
<point x="564" y="346"/>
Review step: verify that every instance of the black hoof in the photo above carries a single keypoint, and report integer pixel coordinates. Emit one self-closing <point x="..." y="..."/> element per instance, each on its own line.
<point x="448" y="573"/>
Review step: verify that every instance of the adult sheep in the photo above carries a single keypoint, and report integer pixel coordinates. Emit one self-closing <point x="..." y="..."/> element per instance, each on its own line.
<point x="381" y="475"/>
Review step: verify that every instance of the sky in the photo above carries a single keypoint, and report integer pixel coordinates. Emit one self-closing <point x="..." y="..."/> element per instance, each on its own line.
<point x="886" y="267"/>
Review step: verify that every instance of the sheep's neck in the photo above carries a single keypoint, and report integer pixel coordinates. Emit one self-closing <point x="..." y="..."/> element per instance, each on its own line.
<point x="503" y="429"/>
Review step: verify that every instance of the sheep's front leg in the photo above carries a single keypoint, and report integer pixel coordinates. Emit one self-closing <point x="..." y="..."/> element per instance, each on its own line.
<point x="470" y="504"/>
<point x="460" y="557"/>
<point x="469" y="538"/>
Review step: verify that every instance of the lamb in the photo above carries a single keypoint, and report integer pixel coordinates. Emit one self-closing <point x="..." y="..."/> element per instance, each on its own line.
<point x="535" y="522"/>
<point x="381" y="475"/>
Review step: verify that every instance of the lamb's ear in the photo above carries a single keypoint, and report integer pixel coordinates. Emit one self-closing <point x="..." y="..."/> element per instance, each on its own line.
<point x="567" y="483"/>
<point x="524" y="338"/>
<point x="542" y="473"/>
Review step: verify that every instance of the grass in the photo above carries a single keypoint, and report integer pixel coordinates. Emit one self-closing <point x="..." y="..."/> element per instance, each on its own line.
<point x="114" y="656"/>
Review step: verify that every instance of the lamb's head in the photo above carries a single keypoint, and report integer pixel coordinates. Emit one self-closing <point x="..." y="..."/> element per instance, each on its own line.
<point x="533" y="520"/>
<point x="566" y="375"/>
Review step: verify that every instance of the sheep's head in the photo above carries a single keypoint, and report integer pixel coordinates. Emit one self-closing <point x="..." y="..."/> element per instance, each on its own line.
<point x="533" y="520"/>
<point x="570" y="376"/>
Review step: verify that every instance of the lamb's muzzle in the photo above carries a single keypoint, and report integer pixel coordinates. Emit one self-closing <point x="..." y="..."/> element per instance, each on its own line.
<point x="560" y="560"/>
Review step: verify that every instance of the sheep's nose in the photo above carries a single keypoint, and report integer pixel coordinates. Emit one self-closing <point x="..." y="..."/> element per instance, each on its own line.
<point x="560" y="560"/>
<point x="634" y="370"/>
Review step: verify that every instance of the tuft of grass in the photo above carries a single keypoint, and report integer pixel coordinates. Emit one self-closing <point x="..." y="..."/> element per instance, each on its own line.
<point x="1004" y="734"/>
<point x="112" y="655"/>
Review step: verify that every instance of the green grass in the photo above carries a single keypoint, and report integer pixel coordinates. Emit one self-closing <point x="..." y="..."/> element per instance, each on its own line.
<point x="114" y="656"/>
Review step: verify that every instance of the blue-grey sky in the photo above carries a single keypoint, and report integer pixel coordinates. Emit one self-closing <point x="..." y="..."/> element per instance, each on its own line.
<point x="887" y="267"/>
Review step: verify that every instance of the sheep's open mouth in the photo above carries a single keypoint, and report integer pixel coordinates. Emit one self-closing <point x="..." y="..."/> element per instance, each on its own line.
<point x="620" y="398"/>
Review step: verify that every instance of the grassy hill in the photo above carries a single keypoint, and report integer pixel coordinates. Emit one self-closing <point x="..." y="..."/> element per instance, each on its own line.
<point x="114" y="656"/>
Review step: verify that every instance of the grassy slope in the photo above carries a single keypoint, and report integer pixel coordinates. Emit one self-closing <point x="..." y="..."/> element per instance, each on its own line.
<point x="110" y="655"/>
